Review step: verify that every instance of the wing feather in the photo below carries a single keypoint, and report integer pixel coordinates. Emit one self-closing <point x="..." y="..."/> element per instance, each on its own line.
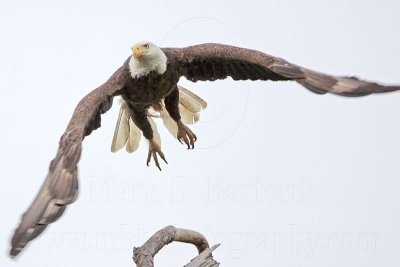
<point x="209" y="62"/>
<point x="60" y="188"/>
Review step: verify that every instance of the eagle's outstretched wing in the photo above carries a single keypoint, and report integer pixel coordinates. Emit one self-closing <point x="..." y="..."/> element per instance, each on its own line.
<point x="60" y="187"/>
<point x="209" y="62"/>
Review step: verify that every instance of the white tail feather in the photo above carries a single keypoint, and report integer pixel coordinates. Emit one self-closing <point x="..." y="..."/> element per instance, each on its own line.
<point x="156" y="135"/>
<point x="190" y="100"/>
<point x="121" y="132"/>
<point x="128" y="134"/>
<point x="134" y="137"/>
<point x="187" y="116"/>
<point x="168" y="122"/>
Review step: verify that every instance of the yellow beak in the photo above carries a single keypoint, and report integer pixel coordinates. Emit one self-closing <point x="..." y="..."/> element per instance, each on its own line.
<point x="137" y="51"/>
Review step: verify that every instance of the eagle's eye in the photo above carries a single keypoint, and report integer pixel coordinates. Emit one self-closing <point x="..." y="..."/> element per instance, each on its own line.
<point x="146" y="45"/>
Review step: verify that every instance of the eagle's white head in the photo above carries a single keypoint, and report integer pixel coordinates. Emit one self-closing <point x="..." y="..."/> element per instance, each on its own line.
<point x="146" y="57"/>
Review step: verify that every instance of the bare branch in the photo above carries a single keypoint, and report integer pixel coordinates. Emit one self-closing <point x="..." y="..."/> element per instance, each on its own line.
<point x="191" y="237"/>
<point x="143" y="256"/>
<point x="205" y="259"/>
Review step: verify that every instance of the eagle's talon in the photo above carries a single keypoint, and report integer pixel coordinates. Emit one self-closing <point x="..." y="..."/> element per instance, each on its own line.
<point x="155" y="149"/>
<point x="186" y="135"/>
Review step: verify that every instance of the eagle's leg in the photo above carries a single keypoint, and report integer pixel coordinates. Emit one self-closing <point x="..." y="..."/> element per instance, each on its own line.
<point x="155" y="149"/>
<point x="172" y="106"/>
<point x="139" y="117"/>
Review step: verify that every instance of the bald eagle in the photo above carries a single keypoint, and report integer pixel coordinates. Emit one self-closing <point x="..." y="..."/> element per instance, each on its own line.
<point x="148" y="79"/>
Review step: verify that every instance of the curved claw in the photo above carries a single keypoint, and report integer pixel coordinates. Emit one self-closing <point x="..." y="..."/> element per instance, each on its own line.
<point x="155" y="149"/>
<point x="185" y="135"/>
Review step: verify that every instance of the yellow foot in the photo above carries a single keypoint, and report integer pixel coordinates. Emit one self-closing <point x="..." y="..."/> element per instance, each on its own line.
<point x="186" y="135"/>
<point x="155" y="149"/>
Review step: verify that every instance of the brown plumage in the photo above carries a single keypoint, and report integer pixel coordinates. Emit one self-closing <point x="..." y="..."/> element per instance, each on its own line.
<point x="206" y="62"/>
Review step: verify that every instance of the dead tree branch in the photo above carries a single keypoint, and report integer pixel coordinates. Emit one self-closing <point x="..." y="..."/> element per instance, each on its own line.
<point x="144" y="256"/>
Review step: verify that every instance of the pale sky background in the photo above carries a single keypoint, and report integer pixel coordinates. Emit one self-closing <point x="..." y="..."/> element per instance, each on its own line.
<point x="280" y="176"/>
